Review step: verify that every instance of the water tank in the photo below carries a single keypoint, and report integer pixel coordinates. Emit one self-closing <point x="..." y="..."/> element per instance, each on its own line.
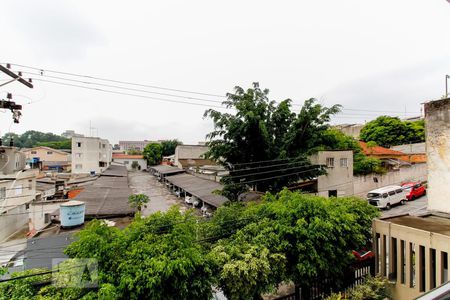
<point x="72" y="213"/>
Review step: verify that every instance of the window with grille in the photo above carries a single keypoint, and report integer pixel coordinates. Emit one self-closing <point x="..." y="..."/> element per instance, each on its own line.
<point x="330" y="162"/>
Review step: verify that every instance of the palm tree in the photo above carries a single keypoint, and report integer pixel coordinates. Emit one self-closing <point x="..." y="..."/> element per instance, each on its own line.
<point x="138" y="201"/>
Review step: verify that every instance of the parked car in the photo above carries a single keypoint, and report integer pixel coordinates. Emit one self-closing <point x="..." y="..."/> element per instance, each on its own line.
<point x="414" y="190"/>
<point x="387" y="196"/>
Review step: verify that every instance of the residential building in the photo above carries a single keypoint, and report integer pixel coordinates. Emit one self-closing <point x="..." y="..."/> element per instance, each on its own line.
<point x="133" y="145"/>
<point x="17" y="191"/>
<point x="70" y="134"/>
<point x="129" y="160"/>
<point x="412" y="251"/>
<point x="415" y="153"/>
<point x="48" y="158"/>
<point x="338" y="181"/>
<point x="191" y="156"/>
<point x="352" y="130"/>
<point x="90" y="155"/>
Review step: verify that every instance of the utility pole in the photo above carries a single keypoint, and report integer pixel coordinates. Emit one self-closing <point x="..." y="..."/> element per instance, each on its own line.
<point x="8" y="104"/>
<point x="446" y="85"/>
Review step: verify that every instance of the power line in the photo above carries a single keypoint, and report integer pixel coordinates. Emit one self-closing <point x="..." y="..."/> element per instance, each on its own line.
<point x="125" y="88"/>
<point x="128" y="94"/>
<point x="118" y="81"/>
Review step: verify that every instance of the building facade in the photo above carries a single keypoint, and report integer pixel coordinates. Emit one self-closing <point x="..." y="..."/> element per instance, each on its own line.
<point x="186" y="155"/>
<point x="412" y="251"/>
<point x="90" y="155"/>
<point x="48" y="158"/>
<point x="133" y="145"/>
<point x="132" y="162"/>
<point x="17" y="191"/>
<point x="338" y="181"/>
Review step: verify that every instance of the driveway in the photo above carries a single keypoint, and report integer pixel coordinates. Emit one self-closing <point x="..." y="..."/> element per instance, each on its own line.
<point x="414" y="207"/>
<point x="160" y="197"/>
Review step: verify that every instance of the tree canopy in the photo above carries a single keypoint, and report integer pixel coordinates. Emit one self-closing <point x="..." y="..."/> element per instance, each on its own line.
<point x="253" y="142"/>
<point x="245" y="250"/>
<point x="168" y="147"/>
<point x="390" y="131"/>
<point x="153" y="153"/>
<point x="33" y="138"/>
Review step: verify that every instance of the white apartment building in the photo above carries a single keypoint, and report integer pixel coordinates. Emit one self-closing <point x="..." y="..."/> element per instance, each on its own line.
<point x="17" y="191"/>
<point x="90" y="155"/>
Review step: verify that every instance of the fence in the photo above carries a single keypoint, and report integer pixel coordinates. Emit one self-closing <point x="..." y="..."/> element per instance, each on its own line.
<point x="321" y="288"/>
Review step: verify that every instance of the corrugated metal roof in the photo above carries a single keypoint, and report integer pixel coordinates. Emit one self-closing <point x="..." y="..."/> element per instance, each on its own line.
<point x="108" y="195"/>
<point x="166" y="170"/>
<point x="200" y="188"/>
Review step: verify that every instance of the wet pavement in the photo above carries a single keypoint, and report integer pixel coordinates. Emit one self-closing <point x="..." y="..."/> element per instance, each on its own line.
<point x="414" y="207"/>
<point x="161" y="199"/>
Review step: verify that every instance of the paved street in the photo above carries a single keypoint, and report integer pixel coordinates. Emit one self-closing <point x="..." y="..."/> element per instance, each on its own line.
<point x="414" y="207"/>
<point x="160" y="197"/>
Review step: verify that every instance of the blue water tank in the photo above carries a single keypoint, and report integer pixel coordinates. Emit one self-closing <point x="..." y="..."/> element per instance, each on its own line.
<point x="72" y="213"/>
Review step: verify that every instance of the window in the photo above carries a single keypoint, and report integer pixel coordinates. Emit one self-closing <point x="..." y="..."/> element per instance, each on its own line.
<point x="385" y="195"/>
<point x="432" y="268"/>
<point x="344" y="162"/>
<point x="78" y="166"/>
<point x="79" y="144"/>
<point x="27" y="206"/>
<point x="49" y="152"/>
<point x="444" y="267"/>
<point x="421" y="268"/>
<point x="412" y="269"/>
<point x="78" y="155"/>
<point x="33" y="152"/>
<point x="330" y="162"/>
<point x="103" y="146"/>
<point x="391" y="193"/>
<point x="30" y="184"/>
<point x="393" y="274"/>
<point x="399" y="191"/>
<point x="18" y="190"/>
<point x="403" y="261"/>
<point x="126" y="162"/>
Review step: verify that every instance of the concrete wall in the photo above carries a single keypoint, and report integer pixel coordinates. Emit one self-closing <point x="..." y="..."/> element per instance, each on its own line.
<point x="339" y="178"/>
<point x="13" y="221"/>
<point x="88" y="155"/>
<point x="37" y="214"/>
<point x="188" y="151"/>
<point x="439" y="242"/>
<point x="350" y="129"/>
<point x="141" y="161"/>
<point x="417" y="148"/>
<point x="364" y="184"/>
<point x="437" y="128"/>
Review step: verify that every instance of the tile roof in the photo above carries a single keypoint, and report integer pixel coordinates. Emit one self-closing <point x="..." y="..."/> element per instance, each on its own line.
<point x="378" y="150"/>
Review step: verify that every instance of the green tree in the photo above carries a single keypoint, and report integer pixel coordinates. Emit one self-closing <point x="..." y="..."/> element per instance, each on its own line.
<point x="168" y="147"/>
<point x="157" y="257"/>
<point x="66" y="144"/>
<point x="134" y="152"/>
<point x="390" y="131"/>
<point x="153" y="153"/>
<point x="138" y="201"/>
<point x="253" y="142"/>
<point x="32" y="138"/>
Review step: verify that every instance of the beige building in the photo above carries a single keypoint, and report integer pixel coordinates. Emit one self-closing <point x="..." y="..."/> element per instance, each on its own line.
<point x="133" y="145"/>
<point x="187" y="155"/>
<point x="338" y="181"/>
<point x="47" y="154"/>
<point x="412" y="251"/>
<point x="129" y="160"/>
<point x="90" y="155"/>
<point x="17" y="191"/>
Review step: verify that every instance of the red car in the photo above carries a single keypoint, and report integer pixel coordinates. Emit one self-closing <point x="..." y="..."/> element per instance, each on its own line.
<point x="414" y="190"/>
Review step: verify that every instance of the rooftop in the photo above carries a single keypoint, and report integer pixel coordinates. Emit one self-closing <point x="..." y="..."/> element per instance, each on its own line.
<point x="432" y="223"/>
<point x="378" y="150"/>
<point x="126" y="156"/>
<point x="200" y="188"/>
<point x="166" y="170"/>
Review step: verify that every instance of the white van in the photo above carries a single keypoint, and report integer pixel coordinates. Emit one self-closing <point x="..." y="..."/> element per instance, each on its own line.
<point x="387" y="196"/>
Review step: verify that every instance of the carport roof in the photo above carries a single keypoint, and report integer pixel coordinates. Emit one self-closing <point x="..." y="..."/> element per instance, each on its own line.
<point x="166" y="170"/>
<point x="200" y="188"/>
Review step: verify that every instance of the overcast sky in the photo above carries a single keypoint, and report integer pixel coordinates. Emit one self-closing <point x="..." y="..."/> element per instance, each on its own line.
<point x="371" y="55"/>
